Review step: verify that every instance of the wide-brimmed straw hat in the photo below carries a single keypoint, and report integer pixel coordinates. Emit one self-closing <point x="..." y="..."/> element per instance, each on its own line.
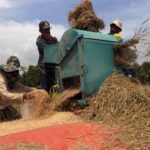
<point x="13" y="64"/>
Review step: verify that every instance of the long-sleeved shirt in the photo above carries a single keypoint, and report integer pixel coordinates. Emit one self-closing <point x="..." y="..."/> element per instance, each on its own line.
<point x="6" y="97"/>
<point x="41" y="42"/>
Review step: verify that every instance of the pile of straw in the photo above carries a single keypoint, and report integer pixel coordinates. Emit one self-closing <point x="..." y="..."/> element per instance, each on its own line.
<point x="83" y="17"/>
<point x="127" y="52"/>
<point x="126" y="104"/>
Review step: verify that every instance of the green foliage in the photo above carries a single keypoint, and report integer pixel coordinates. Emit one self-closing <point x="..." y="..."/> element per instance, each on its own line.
<point x="31" y="77"/>
<point x="144" y="73"/>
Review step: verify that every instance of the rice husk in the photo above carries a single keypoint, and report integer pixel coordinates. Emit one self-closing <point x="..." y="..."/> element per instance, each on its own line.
<point x="125" y="104"/>
<point x="24" y="146"/>
<point x="36" y="104"/>
<point x="57" y="103"/>
<point x="33" y="123"/>
<point x="82" y="146"/>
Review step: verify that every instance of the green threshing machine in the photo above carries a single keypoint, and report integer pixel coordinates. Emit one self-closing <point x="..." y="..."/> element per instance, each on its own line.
<point x="85" y="59"/>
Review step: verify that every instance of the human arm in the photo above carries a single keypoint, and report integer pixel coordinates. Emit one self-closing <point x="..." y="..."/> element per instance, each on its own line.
<point x="40" y="42"/>
<point x="24" y="88"/>
<point x="55" y="40"/>
<point x="5" y="94"/>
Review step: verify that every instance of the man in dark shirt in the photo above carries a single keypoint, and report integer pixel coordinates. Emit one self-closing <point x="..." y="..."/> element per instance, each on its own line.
<point x="46" y="79"/>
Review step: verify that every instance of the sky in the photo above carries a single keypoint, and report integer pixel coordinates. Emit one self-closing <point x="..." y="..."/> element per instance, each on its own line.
<point x="19" y="21"/>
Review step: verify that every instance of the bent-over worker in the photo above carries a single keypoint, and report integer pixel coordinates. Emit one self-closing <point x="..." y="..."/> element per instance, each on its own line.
<point x="9" y="85"/>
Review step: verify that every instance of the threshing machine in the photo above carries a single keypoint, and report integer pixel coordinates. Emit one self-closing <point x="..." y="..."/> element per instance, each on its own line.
<point x="85" y="59"/>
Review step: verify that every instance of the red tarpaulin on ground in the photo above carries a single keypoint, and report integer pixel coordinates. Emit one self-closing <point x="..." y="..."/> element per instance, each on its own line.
<point x="62" y="137"/>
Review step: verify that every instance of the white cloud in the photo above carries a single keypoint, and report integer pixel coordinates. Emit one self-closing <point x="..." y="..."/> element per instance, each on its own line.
<point x="18" y="3"/>
<point x="19" y="39"/>
<point x="5" y="4"/>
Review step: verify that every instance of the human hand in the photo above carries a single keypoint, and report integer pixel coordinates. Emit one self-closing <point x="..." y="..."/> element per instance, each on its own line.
<point x="29" y="89"/>
<point x="28" y="95"/>
<point x="25" y="96"/>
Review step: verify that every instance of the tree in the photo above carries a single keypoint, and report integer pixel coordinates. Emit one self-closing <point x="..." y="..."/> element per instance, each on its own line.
<point x="144" y="73"/>
<point x="31" y="77"/>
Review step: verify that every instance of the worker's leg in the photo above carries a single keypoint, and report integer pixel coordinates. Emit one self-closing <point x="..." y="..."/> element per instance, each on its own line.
<point x="50" y="76"/>
<point x="9" y="113"/>
<point x="42" y="77"/>
<point x="119" y="69"/>
<point x="43" y="80"/>
<point x="1" y="115"/>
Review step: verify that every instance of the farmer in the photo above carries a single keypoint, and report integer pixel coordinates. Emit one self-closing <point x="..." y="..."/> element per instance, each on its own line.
<point x="115" y="29"/>
<point x="9" y="85"/>
<point x="47" y="76"/>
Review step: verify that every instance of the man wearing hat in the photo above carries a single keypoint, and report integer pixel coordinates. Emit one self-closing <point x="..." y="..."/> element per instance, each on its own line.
<point x="116" y="28"/>
<point x="8" y="84"/>
<point x="46" y="79"/>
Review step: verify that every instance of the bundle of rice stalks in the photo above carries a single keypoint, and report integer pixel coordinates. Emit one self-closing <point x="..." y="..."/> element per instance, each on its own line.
<point x="127" y="52"/>
<point x="126" y="104"/>
<point x="83" y="17"/>
<point x="85" y="5"/>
